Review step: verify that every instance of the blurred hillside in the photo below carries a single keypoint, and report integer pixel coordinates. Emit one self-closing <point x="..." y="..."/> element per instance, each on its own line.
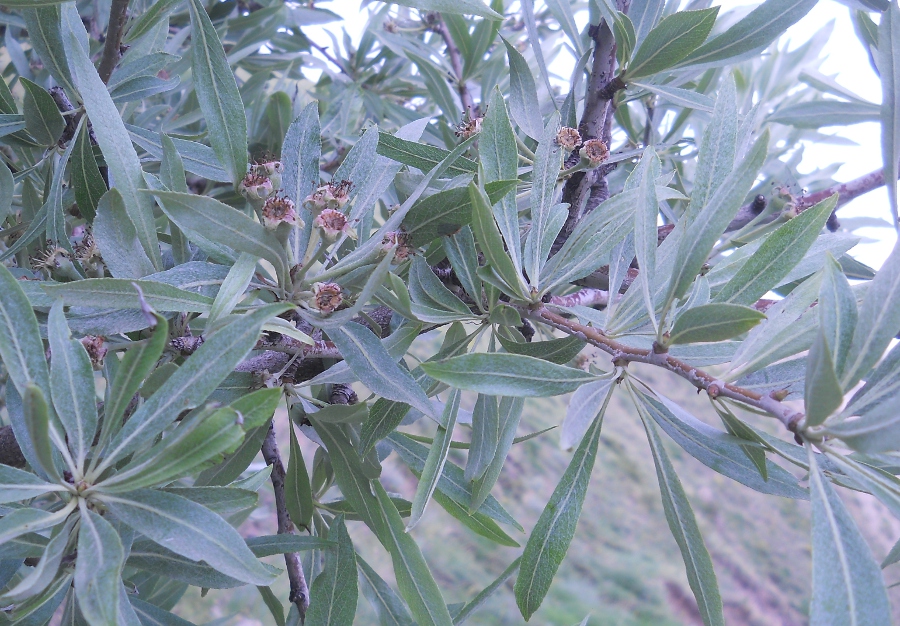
<point x="623" y="567"/>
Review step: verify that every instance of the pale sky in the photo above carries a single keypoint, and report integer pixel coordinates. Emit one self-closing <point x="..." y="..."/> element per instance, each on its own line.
<point x="846" y="61"/>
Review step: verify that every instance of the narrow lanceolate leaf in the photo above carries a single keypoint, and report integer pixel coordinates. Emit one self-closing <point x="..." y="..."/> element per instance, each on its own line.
<point x="297" y="490"/>
<point x="437" y="457"/>
<point x="822" y="394"/>
<point x="190" y="530"/>
<point x="387" y="604"/>
<point x="463" y="7"/>
<point x="485" y="436"/>
<point x="334" y="591"/>
<point x="72" y="385"/>
<point x="507" y="375"/>
<point x="821" y="113"/>
<point x="847" y="584"/>
<point x="48" y="39"/>
<point x="16" y="484"/>
<point x="499" y="158"/>
<point x="714" y="322"/>
<point x="42" y="118"/>
<point x="837" y="311"/>
<point x="117" y="238"/>
<point x="475" y="603"/>
<point x="376" y="369"/>
<point x="87" y="182"/>
<point x="414" y="579"/>
<point x="558" y="351"/>
<point x="547" y="162"/>
<point x="98" y="569"/>
<point x="224" y="225"/>
<point x="192" y="383"/>
<point x="756" y="31"/>
<point x="683" y="525"/>
<point x="878" y="322"/>
<point x="37" y="430"/>
<point x="23" y="521"/>
<point x="218" y="94"/>
<point x="523" y="101"/>
<point x="121" y="293"/>
<point x="233" y="287"/>
<point x="550" y="539"/>
<point x="118" y="152"/>
<point x="696" y="244"/>
<point x="717" y="149"/>
<point x="584" y="406"/>
<point x="642" y="179"/>
<point x="21" y="347"/>
<point x="877" y="430"/>
<point x="42" y="574"/>
<point x="674" y="38"/>
<point x="889" y="69"/>
<point x="777" y="256"/>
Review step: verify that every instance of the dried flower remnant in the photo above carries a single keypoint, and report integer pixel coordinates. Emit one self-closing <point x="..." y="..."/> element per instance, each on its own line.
<point x="271" y="168"/>
<point x="398" y="241"/>
<point x="256" y="187"/>
<point x="333" y="223"/>
<point x="327" y="297"/>
<point x="329" y="196"/>
<point x="568" y="138"/>
<point x="50" y="259"/>
<point x="469" y="127"/>
<point x="594" y="152"/>
<point x="278" y="209"/>
<point x="96" y="349"/>
<point x="390" y="26"/>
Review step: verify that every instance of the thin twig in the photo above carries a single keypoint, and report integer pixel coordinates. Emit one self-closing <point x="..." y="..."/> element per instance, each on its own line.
<point x="118" y="14"/>
<point x="623" y="354"/>
<point x="299" y="590"/>
<point x="327" y="55"/>
<point x="456" y="63"/>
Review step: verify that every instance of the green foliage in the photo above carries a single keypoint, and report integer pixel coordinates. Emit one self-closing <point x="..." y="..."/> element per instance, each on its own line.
<point x="204" y="232"/>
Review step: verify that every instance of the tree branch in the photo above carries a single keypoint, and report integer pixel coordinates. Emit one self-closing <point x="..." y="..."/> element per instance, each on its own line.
<point x="453" y="52"/>
<point x="299" y="590"/>
<point x="623" y="354"/>
<point x="118" y="13"/>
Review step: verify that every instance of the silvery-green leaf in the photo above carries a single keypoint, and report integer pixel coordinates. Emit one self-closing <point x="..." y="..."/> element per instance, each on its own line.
<point x="889" y="70"/>
<point x="878" y="321"/>
<point x="837" y="311"/>
<point x="387" y="604"/>
<point x="437" y="457"/>
<point x="523" y="100"/>
<point x="847" y="584"/>
<point x="551" y="536"/>
<point x="460" y="250"/>
<point x="233" y="287"/>
<point x="718" y="450"/>
<point x="16" y="484"/>
<point x="423" y="156"/>
<point x="485" y="436"/>
<point x="698" y="241"/>
<point x="778" y="254"/>
<point x="21" y="347"/>
<point x="584" y="406"/>
<point x="190" y="530"/>
<point x="217" y="94"/>
<point x="676" y="95"/>
<point x="46" y="33"/>
<point x="499" y="158"/>
<point x="881" y="386"/>
<point x="42" y="574"/>
<point x="42" y="118"/>
<point x="754" y="32"/>
<point x="507" y="375"/>
<point x="547" y="162"/>
<point x="117" y="238"/>
<point x="300" y="155"/>
<point x="98" y="569"/>
<point x="198" y="158"/>
<point x="714" y="322"/>
<point x="121" y="293"/>
<point x="334" y="592"/>
<point x="822" y="395"/>
<point x="121" y="159"/>
<point x="414" y="579"/>
<point x="821" y="113"/>
<point x="192" y="383"/>
<point x="683" y="524"/>
<point x="297" y="491"/>
<point x="375" y="368"/>
<point x="224" y="225"/>
<point x="674" y="38"/>
<point x="72" y="385"/>
<point x="475" y="603"/>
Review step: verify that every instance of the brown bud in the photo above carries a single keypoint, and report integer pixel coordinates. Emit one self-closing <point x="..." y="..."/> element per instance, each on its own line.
<point x="594" y="152"/>
<point x="96" y="349"/>
<point x="333" y="223"/>
<point x="278" y="209"/>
